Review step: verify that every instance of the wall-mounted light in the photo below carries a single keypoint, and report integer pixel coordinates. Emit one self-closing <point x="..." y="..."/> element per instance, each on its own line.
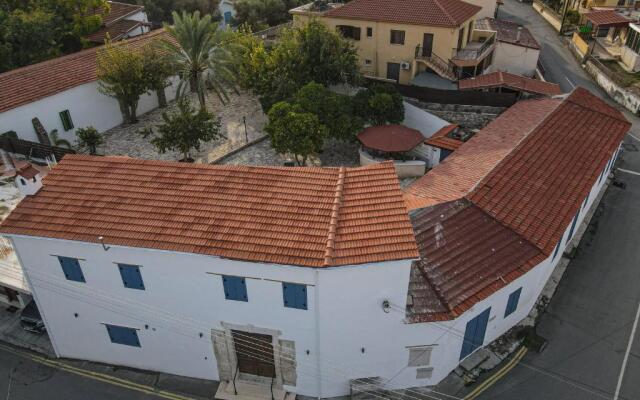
<point x="101" y="240"/>
<point x="386" y="306"/>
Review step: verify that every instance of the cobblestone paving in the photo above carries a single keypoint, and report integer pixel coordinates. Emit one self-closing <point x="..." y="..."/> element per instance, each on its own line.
<point x="125" y="139"/>
<point x="336" y="154"/>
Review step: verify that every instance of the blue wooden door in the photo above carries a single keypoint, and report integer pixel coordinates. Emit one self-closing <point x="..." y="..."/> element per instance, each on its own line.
<point x="474" y="333"/>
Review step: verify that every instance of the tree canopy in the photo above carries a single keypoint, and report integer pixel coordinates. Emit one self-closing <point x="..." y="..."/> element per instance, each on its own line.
<point x="379" y="104"/>
<point x="261" y="14"/>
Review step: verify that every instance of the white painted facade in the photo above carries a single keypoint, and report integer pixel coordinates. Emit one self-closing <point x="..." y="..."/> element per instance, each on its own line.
<point x="344" y="334"/>
<point x="513" y="58"/>
<point x="87" y="106"/>
<point x="227" y="13"/>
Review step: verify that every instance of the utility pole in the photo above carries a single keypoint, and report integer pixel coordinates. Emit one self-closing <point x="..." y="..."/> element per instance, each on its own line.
<point x="246" y="136"/>
<point x="564" y="16"/>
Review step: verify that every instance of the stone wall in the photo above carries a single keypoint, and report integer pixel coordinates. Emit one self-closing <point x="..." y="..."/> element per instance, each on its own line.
<point x="624" y="96"/>
<point x="468" y="117"/>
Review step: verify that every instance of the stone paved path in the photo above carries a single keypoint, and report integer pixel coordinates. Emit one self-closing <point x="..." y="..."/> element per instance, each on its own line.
<point x="125" y="139"/>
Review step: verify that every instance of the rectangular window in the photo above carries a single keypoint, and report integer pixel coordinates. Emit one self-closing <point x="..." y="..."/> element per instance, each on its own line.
<point x="424" y="373"/>
<point x="512" y="303"/>
<point x="131" y="277"/>
<point x="555" y="252"/>
<point x="294" y="295"/>
<point x="65" y="117"/>
<point x="420" y="356"/>
<point x="586" y="200"/>
<point x="367" y="62"/>
<point x="235" y="288"/>
<point x="573" y="227"/>
<point x="474" y="333"/>
<point x="369" y="31"/>
<point x="71" y="269"/>
<point x="397" y="37"/>
<point x="123" y="335"/>
<point x="349" y="32"/>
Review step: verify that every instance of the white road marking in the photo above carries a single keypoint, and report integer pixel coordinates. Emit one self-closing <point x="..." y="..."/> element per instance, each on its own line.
<point x="628" y="171"/>
<point x="570" y="83"/>
<point x="626" y="354"/>
<point x="635" y="137"/>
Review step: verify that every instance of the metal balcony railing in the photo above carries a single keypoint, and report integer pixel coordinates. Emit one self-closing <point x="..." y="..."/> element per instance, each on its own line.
<point x="474" y="50"/>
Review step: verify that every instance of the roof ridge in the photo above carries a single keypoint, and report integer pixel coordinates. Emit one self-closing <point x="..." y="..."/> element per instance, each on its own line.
<point x="333" y="223"/>
<point x="579" y="90"/>
<point x="449" y="17"/>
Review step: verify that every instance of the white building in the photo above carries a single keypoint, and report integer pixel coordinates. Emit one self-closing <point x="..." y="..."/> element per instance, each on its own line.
<point x="309" y="278"/>
<point x="63" y="94"/>
<point x="122" y="21"/>
<point x="517" y="51"/>
<point x="227" y="12"/>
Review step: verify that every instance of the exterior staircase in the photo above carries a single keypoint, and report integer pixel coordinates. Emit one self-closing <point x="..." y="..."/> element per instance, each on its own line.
<point x="437" y="64"/>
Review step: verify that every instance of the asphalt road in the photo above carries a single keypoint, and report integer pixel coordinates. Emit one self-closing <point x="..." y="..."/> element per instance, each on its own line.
<point x="589" y="321"/>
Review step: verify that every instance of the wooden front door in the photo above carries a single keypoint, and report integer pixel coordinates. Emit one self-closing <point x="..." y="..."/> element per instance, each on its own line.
<point x="254" y="353"/>
<point x="427" y="44"/>
<point x="393" y="71"/>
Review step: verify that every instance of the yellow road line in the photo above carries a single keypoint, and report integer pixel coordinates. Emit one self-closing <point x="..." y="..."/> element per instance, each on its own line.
<point x="96" y="375"/>
<point x="498" y="375"/>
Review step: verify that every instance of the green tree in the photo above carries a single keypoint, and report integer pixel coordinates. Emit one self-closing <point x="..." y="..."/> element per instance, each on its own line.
<point x="120" y="71"/>
<point x="159" y="11"/>
<point x="90" y="138"/>
<point x="184" y="129"/>
<point x="202" y="58"/>
<point x="308" y="53"/>
<point x="379" y="104"/>
<point x="293" y="131"/>
<point x="157" y="69"/>
<point x="333" y="110"/>
<point x="261" y="14"/>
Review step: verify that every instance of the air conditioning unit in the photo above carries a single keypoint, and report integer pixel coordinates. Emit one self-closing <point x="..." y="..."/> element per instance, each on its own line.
<point x="405" y="65"/>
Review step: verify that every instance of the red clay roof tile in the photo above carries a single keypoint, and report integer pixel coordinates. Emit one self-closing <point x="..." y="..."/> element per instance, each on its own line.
<point x="316" y="217"/>
<point x="511" y="81"/>
<point x="441" y="140"/>
<point x="447" y="13"/>
<point x="390" y="138"/>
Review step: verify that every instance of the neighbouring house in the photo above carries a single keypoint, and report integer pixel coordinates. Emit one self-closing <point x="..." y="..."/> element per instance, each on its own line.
<point x="392" y="142"/>
<point x="489" y="7"/>
<point x="517" y="51"/>
<point x="63" y="94"/>
<point x="603" y="35"/>
<point x="504" y="82"/>
<point x="630" y="53"/>
<point x="121" y="21"/>
<point x="398" y="40"/>
<point x="312" y="281"/>
<point x="227" y="12"/>
<point x="444" y="142"/>
<point x="552" y="10"/>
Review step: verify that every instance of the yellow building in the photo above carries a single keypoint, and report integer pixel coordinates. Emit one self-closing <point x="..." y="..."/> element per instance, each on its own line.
<point x="397" y="40"/>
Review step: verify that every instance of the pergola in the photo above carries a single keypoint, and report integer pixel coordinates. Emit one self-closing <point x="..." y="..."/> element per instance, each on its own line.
<point x="390" y="141"/>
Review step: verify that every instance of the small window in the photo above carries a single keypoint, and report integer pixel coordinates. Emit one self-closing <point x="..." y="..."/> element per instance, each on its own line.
<point x="555" y="252"/>
<point x="123" y="335"/>
<point x="71" y="269"/>
<point x="586" y="200"/>
<point x="512" y="303"/>
<point x="349" y="32"/>
<point x="131" y="277"/>
<point x="573" y="226"/>
<point x="235" y="288"/>
<point x="23" y="182"/>
<point x="369" y="31"/>
<point x="295" y="295"/>
<point x="367" y="62"/>
<point x="65" y="117"/>
<point x="424" y="373"/>
<point x="419" y="356"/>
<point x="397" y="37"/>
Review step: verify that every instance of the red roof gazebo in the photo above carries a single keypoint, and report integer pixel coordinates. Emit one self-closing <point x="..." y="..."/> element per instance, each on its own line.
<point x="390" y="138"/>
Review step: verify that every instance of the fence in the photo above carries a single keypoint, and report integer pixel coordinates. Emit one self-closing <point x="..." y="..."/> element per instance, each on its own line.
<point x="32" y="149"/>
<point x="470" y="98"/>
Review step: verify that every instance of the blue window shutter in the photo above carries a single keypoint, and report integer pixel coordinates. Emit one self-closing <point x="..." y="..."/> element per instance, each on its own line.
<point x="555" y="252"/>
<point x="71" y="269"/>
<point x="586" y="200"/>
<point x="294" y="295"/>
<point x="235" y="288"/>
<point x="227" y="17"/>
<point x="512" y="302"/>
<point x="131" y="276"/>
<point x="123" y="335"/>
<point x="474" y="333"/>
<point x="601" y="175"/>
<point x="573" y="226"/>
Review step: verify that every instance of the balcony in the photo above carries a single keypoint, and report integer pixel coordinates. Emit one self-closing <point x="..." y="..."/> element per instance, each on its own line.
<point x="475" y="51"/>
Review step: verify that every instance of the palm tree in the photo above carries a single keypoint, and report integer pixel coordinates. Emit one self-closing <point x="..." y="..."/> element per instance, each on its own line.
<point x="57" y="141"/>
<point x="201" y="55"/>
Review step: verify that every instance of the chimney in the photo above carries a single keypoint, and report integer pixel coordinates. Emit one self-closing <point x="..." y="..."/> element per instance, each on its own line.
<point x="518" y="34"/>
<point x="28" y="180"/>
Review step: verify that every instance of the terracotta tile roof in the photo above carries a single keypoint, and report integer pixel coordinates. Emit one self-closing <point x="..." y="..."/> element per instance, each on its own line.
<point x="447" y="13"/>
<point x="115" y="31"/>
<point x="507" y="32"/>
<point x="117" y="11"/>
<point x="514" y="217"/>
<point x="441" y="140"/>
<point x="459" y="173"/>
<point x="27" y="171"/>
<point x="315" y="217"/>
<point x="465" y="255"/>
<point x="538" y="188"/>
<point x="511" y="81"/>
<point x="390" y="138"/>
<point x="28" y="84"/>
<point x="604" y="18"/>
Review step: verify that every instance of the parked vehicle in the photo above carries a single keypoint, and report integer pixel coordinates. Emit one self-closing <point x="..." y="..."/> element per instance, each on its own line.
<point x="30" y="319"/>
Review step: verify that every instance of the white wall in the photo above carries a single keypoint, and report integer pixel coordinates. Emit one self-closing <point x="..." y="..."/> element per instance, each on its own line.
<point x="183" y="299"/>
<point x="421" y="120"/>
<point x="225" y="6"/>
<point x="514" y="59"/>
<point x="88" y="107"/>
